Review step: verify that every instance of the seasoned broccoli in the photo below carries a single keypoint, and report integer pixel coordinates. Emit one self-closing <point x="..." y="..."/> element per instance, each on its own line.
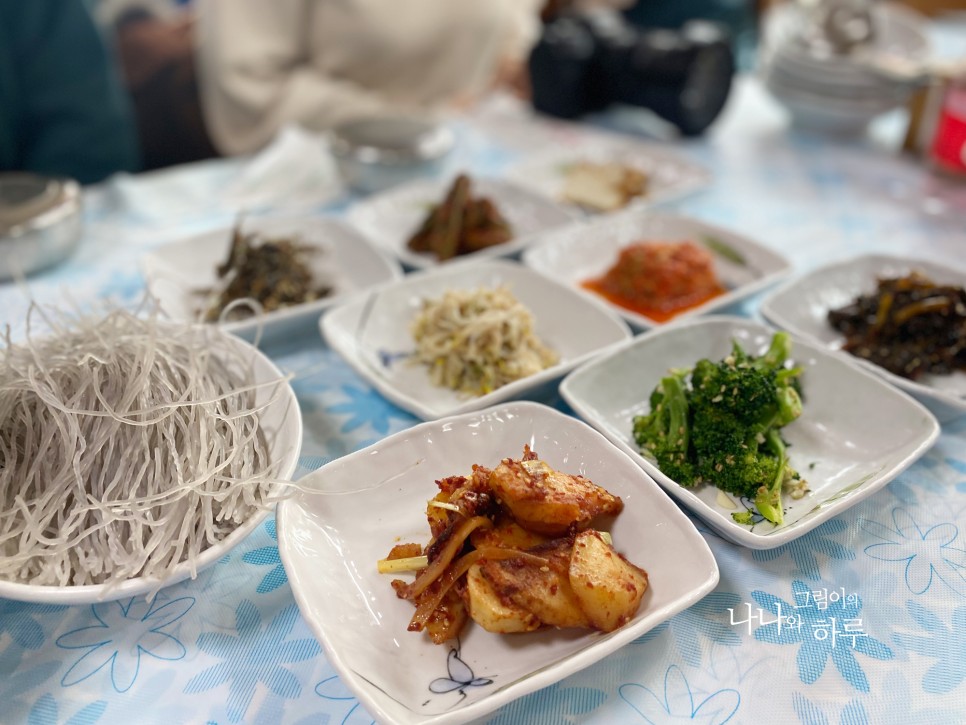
<point x="665" y="430"/>
<point x="722" y="428"/>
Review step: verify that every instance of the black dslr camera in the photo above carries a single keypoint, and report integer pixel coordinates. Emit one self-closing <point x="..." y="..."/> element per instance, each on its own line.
<point x="584" y="63"/>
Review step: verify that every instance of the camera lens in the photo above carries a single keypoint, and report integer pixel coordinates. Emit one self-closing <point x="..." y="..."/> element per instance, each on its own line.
<point x="585" y="63"/>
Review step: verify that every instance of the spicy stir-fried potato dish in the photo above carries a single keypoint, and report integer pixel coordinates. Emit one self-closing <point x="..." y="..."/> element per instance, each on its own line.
<point x="513" y="549"/>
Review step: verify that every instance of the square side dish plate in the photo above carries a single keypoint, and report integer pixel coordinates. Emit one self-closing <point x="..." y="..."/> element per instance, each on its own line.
<point x="854" y="435"/>
<point x="801" y="306"/>
<point x="667" y="175"/>
<point x="182" y="274"/>
<point x="372" y="333"/>
<point x="389" y="219"/>
<point x="575" y="255"/>
<point x="371" y="500"/>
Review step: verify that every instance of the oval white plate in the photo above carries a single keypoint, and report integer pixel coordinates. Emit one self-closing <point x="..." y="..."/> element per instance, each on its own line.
<point x="372" y="332"/>
<point x="856" y="433"/>
<point x="670" y="176"/>
<point x="281" y="423"/>
<point x="372" y="499"/>
<point x="176" y="272"/>
<point x="801" y="306"/>
<point x="577" y="254"/>
<point x="390" y="219"/>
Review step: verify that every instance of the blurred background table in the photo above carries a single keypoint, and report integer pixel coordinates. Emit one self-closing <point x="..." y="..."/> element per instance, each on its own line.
<point x="230" y="646"/>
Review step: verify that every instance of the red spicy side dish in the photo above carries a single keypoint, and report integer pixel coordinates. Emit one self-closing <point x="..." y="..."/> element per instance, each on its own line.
<point x="659" y="279"/>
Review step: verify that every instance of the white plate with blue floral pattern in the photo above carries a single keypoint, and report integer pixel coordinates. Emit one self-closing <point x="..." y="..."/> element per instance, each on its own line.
<point x="370" y="500"/>
<point x="855" y="434"/>
<point x="372" y="333"/>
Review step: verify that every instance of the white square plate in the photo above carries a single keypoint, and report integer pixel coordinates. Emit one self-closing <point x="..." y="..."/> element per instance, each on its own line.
<point x="329" y="545"/>
<point x="670" y="176"/>
<point x="576" y="254"/>
<point x="801" y="306"/>
<point x="372" y="332"/>
<point x="855" y="434"/>
<point x="390" y="219"/>
<point x="176" y="272"/>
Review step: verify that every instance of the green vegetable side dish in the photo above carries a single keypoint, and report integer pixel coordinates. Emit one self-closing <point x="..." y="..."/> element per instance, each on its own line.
<point x="725" y="250"/>
<point x="719" y="422"/>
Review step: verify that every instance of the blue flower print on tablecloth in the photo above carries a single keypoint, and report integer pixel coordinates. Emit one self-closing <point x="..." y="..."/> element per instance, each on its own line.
<point x="16" y="685"/>
<point x="46" y="712"/>
<point x="944" y="643"/>
<point x="268" y="556"/>
<point x="814" y="650"/>
<point x="898" y="701"/>
<point x="708" y="618"/>
<point x="809" y="713"/>
<point x="254" y="657"/>
<point x="367" y="407"/>
<point x="928" y="554"/>
<point x="557" y="703"/>
<point x="677" y="703"/>
<point x="126" y="631"/>
<point x="959" y="467"/>
<point x="332" y="689"/>
<point x="804" y="549"/>
<point x="124" y="288"/>
<point x="159" y="689"/>
<point x="738" y="669"/>
<point x="19" y="620"/>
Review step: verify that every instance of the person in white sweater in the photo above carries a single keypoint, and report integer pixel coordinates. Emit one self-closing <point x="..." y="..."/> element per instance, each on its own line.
<point x="263" y="64"/>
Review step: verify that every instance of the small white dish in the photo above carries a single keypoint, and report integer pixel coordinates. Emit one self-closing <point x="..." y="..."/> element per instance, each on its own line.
<point x="670" y="176"/>
<point x="180" y="272"/>
<point x="374" y="498"/>
<point x="856" y="433"/>
<point x="801" y="306"/>
<point x="391" y="218"/>
<point x="281" y="423"/>
<point x="372" y="332"/>
<point x="577" y="254"/>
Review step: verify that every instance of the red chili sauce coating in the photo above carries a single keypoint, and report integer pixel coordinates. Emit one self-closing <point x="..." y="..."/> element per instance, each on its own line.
<point x="659" y="279"/>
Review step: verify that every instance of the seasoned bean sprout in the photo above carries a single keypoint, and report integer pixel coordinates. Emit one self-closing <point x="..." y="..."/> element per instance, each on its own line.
<point x="476" y="341"/>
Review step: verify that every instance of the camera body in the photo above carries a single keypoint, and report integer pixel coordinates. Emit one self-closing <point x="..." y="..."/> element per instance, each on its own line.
<point x="585" y="62"/>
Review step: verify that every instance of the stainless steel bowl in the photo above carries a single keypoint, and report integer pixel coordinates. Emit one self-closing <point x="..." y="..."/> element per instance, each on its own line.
<point x="373" y="154"/>
<point x="40" y="222"/>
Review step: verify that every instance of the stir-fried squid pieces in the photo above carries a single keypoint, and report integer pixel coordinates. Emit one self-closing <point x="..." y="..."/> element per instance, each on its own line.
<point x="513" y="550"/>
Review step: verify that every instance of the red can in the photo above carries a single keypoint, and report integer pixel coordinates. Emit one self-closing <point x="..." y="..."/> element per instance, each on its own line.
<point x="948" y="151"/>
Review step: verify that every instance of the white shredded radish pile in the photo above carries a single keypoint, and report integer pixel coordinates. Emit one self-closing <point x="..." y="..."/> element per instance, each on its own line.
<point x="126" y="448"/>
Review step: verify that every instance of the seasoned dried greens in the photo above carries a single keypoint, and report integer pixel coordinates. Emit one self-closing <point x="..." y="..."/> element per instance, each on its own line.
<point x="274" y="272"/>
<point x="910" y="325"/>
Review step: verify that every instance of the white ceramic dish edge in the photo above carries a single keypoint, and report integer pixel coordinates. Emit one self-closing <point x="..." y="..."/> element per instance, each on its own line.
<point x="737" y="533"/>
<point x="541" y="678"/>
<point x="340" y="343"/>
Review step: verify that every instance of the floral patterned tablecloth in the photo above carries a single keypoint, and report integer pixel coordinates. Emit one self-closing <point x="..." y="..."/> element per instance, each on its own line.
<point x="863" y="620"/>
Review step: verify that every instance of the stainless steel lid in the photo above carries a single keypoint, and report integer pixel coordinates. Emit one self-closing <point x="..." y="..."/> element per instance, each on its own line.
<point x="392" y="140"/>
<point x="29" y="202"/>
<point x="40" y="221"/>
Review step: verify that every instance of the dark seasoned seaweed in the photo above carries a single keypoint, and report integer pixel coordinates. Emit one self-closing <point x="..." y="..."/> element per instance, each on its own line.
<point x="910" y="325"/>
